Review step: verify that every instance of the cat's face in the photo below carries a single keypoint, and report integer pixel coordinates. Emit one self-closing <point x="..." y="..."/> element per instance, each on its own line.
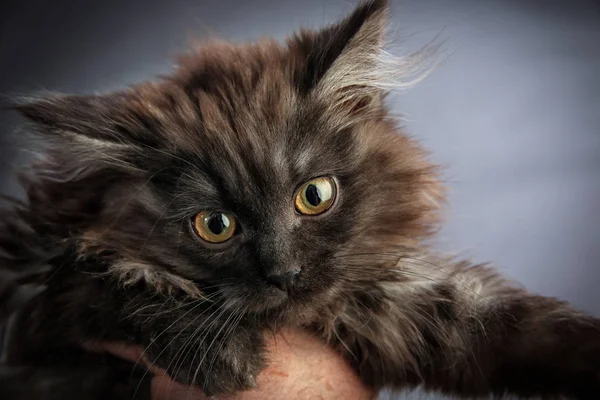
<point x="266" y="175"/>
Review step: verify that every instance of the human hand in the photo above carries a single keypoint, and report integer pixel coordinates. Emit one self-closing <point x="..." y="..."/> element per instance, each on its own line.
<point x="300" y="367"/>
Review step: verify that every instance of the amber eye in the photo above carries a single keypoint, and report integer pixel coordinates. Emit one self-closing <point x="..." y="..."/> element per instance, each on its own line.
<point x="214" y="226"/>
<point x="316" y="196"/>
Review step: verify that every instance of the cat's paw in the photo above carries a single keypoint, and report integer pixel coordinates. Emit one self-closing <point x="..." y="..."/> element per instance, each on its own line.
<point x="228" y="376"/>
<point x="233" y="365"/>
<point x="221" y="365"/>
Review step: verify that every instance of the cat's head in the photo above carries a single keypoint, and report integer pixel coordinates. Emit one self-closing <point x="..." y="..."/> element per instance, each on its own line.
<point x="266" y="174"/>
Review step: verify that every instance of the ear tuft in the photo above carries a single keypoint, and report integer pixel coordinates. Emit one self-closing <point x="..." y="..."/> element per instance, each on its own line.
<point x="81" y="135"/>
<point x="316" y="52"/>
<point x="345" y="65"/>
<point x="90" y="117"/>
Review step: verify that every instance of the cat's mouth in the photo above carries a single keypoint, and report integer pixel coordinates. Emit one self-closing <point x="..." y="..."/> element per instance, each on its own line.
<point x="271" y="298"/>
<point x="274" y="297"/>
<point x="265" y="295"/>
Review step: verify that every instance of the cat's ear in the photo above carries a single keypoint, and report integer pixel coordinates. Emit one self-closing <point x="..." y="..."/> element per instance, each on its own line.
<point x="88" y="134"/>
<point x="342" y="62"/>
<point x="81" y="118"/>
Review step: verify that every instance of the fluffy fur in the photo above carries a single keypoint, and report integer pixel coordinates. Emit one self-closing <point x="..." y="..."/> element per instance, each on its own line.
<point x="104" y="247"/>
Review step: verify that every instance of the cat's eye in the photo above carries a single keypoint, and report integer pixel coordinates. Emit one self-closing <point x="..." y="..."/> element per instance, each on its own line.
<point x="214" y="226"/>
<point x="316" y="196"/>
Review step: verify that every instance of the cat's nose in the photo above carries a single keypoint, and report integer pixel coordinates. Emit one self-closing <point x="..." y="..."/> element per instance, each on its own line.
<point x="284" y="281"/>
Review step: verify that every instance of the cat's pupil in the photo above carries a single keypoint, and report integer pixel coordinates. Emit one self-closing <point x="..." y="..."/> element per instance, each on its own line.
<point x="312" y="195"/>
<point x="217" y="223"/>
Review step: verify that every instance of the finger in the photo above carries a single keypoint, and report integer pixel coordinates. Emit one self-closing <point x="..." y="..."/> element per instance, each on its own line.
<point x="129" y="352"/>
<point x="164" y="388"/>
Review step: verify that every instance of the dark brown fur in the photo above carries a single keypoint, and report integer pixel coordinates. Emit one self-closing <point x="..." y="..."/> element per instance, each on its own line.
<point x="106" y="234"/>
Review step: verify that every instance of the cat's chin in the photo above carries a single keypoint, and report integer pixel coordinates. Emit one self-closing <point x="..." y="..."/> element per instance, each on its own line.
<point x="272" y="300"/>
<point x="267" y="299"/>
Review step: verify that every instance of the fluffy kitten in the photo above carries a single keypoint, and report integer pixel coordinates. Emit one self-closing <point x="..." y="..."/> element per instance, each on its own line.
<point x="260" y="185"/>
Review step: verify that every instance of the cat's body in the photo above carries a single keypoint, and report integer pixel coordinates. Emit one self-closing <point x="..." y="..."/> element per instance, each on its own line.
<point x="112" y="230"/>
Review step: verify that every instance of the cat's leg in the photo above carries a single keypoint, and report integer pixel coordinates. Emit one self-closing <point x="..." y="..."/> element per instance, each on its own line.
<point x="219" y="358"/>
<point x="463" y="330"/>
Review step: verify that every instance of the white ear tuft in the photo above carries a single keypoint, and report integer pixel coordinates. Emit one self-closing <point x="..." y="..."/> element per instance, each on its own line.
<point x="363" y="71"/>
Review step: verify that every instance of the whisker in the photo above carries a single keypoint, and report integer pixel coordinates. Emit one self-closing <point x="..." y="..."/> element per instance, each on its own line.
<point x="206" y="352"/>
<point x="233" y="326"/>
<point x="207" y="298"/>
<point x="172" y="340"/>
<point x="195" y="337"/>
<point x="192" y="337"/>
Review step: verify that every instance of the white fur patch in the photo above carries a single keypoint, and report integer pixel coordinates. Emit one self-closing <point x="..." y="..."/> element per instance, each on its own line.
<point x="162" y="281"/>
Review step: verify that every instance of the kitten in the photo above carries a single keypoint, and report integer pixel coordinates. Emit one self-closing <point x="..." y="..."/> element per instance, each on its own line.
<point x="259" y="186"/>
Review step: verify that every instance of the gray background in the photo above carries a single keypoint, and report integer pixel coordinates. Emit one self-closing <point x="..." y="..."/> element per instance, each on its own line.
<point x="513" y="114"/>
